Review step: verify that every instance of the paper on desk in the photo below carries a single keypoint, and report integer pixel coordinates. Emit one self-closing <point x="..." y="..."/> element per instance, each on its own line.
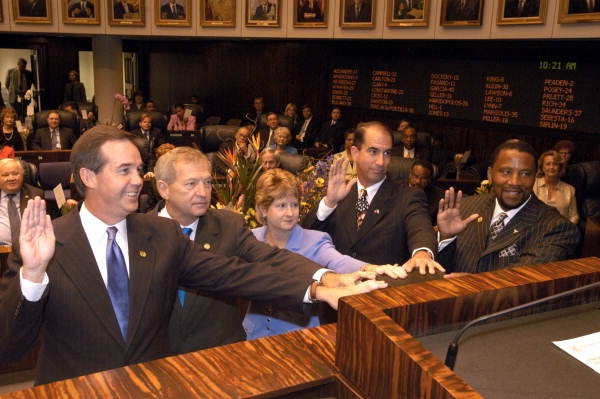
<point x="59" y="194"/>
<point x="586" y="349"/>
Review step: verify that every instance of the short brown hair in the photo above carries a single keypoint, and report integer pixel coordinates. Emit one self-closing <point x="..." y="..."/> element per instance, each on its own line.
<point x="272" y="185"/>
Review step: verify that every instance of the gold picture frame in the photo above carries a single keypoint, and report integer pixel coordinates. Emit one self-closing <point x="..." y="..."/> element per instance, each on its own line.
<point x="126" y="12"/>
<point x="576" y="11"/>
<point x="263" y="13"/>
<point x="74" y="12"/>
<point x="217" y="13"/>
<point x="173" y="13"/>
<point x="357" y="13"/>
<point x="461" y="12"/>
<point x="37" y="12"/>
<point x="310" y="13"/>
<point x="510" y="12"/>
<point x="400" y="13"/>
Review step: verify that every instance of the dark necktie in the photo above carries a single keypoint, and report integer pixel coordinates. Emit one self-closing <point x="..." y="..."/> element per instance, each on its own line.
<point x="14" y="218"/>
<point x="118" y="280"/>
<point x="187" y="231"/>
<point x="55" y="139"/>
<point x="497" y="226"/>
<point x="361" y="208"/>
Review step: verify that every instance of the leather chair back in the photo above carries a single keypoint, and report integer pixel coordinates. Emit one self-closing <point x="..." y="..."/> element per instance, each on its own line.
<point x="67" y="119"/>
<point x="215" y="135"/>
<point x="53" y="173"/>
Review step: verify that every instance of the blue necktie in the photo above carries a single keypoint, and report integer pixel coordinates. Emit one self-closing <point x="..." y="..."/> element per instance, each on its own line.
<point x="118" y="280"/>
<point x="187" y="231"/>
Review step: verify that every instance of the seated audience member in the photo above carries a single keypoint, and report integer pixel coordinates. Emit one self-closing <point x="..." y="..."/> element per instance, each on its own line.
<point x="566" y="149"/>
<point x="10" y="135"/>
<point x="138" y="104"/>
<point x="74" y="89"/>
<point x="84" y="307"/>
<point x="309" y="129"/>
<point x="241" y="145"/>
<point x="151" y="137"/>
<point x="331" y="134"/>
<point x="151" y="106"/>
<point x="291" y="111"/>
<point x="200" y="320"/>
<point x="282" y="140"/>
<point x="551" y="190"/>
<point x="179" y="121"/>
<point x="255" y="116"/>
<point x="267" y="133"/>
<point x="278" y="209"/>
<point x="13" y="201"/>
<point x="269" y="159"/>
<point x="347" y="154"/>
<point x="373" y="218"/>
<point x="509" y="226"/>
<point x="409" y="147"/>
<point x="421" y="176"/>
<point x="90" y="122"/>
<point x="53" y="137"/>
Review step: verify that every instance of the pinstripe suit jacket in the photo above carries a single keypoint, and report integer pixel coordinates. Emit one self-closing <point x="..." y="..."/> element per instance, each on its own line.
<point x="537" y="234"/>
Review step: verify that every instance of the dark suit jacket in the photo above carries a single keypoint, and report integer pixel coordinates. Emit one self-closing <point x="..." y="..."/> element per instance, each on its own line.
<point x="364" y="14"/>
<point x="581" y="6"/>
<point x="312" y="132"/>
<point x="42" y="140"/>
<point x="538" y="234"/>
<point x="333" y="136"/>
<point x="37" y="9"/>
<point x="207" y="320"/>
<point x="12" y="83"/>
<point x="457" y="13"/>
<point x="75" y="318"/>
<point x="167" y="13"/>
<point x="531" y="8"/>
<point x="88" y="12"/>
<point x="260" y="13"/>
<point x="156" y="139"/>
<point x="75" y="91"/>
<point x="264" y="132"/>
<point x="396" y="223"/>
<point x="420" y="152"/>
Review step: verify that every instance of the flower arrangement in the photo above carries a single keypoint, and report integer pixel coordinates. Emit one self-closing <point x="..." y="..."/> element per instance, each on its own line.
<point x="123" y="100"/>
<point x="120" y="105"/>
<point x="235" y="191"/>
<point x="313" y="184"/>
<point x="484" y="187"/>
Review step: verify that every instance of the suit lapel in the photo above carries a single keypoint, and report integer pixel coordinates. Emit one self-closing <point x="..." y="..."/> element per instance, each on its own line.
<point x="77" y="260"/>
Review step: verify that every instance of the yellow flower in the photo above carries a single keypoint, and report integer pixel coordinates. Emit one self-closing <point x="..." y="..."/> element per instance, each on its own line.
<point x="320" y="182"/>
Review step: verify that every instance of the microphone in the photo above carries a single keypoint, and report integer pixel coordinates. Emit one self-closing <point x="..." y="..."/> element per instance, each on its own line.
<point x="453" y="347"/>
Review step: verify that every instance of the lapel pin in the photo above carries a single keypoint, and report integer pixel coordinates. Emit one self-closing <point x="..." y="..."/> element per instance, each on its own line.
<point x="515" y="231"/>
<point x="376" y="211"/>
<point x="479" y="219"/>
<point x="206" y="246"/>
<point x="143" y="253"/>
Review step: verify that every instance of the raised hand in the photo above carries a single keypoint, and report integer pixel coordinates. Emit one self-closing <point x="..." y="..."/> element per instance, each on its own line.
<point x="36" y="240"/>
<point x="337" y="188"/>
<point x="449" y="221"/>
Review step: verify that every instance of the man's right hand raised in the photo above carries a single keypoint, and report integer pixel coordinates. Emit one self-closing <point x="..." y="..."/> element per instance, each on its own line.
<point x="449" y="221"/>
<point x="337" y="188"/>
<point x="36" y="240"/>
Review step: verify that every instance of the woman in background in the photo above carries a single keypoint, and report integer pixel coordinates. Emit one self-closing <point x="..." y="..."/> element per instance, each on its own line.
<point x="282" y="141"/>
<point x="10" y="135"/>
<point x="179" y="121"/>
<point x="277" y="208"/>
<point x="553" y="191"/>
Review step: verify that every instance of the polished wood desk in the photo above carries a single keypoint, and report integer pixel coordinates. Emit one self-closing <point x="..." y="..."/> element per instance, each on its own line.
<point x="374" y="346"/>
<point x="37" y="157"/>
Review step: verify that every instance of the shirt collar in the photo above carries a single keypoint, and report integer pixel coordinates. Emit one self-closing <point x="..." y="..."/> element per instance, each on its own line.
<point x="509" y="214"/>
<point x="371" y="190"/>
<point x="95" y="229"/>
<point x="194" y="225"/>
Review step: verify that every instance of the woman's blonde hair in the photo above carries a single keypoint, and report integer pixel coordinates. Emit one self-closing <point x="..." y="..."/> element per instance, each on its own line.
<point x="557" y="158"/>
<point x="273" y="185"/>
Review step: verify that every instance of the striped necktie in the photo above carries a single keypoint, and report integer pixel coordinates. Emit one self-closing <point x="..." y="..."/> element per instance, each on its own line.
<point x="187" y="231"/>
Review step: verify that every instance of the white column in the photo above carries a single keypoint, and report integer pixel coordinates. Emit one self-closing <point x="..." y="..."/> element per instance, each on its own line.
<point x="108" y="77"/>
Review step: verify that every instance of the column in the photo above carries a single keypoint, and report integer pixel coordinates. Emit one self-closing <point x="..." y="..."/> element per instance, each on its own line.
<point x="108" y="77"/>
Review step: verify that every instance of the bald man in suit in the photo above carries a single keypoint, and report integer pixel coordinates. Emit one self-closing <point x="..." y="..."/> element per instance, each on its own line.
<point x="508" y="227"/>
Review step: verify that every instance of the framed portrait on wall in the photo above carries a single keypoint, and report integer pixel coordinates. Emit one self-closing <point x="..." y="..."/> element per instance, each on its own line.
<point x="407" y="13"/>
<point x="575" y="11"/>
<point x="461" y="12"/>
<point x="521" y="12"/>
<point x="84" y="12"/>
<point x="310" y="13"/>
<point x="262" y="13"/>
<point x="173" y="12"/>
<point x="126" y="12"/>
<point x="32" y="11"/>
<point x="217" y="13"/>
<point x="357" y="13"/>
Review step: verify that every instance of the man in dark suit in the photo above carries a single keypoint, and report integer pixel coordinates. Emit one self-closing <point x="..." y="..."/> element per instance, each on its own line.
<point x="410" y="148"/>
<point x="265" y="11"/>
<point x="309" y="130"/>
<point x="53" y="137"/>
<point x="508" y="227"/>
<point x="267" y="133"/>
<point x="521" y="8"/>
<point x="18" y="81"/>
<point x="123" y="9"/>
<point x="358" y="11"/>
<point x="82" y="9"/>
<point x="172" y="10"/>
<point x="462" y="10"/>
<point x="99" y="285"/>
<point x="388" y="225"/>
<point x="32" y="8"/>
<point x="331" y="134"/>
<point x="12" y="185"/>
<point x="583" y="6"/>
<point x="151" y="137"/>
<point x="421" y="176"/>
<point x="255" y="116"/>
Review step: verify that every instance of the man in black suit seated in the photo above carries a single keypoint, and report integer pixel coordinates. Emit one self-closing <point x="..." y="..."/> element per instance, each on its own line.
<point x="97" y="286"/>
<point x="371" y="218"/>
<point x="267" y="133"/>
<point x="200" y="320"/>
<point x="410" y="148"/>
<point x="331" y="134"/>
<point x="172" y="10"/>
<point x="421" y="176"/>
<point x="309" y="129"/>
<point x="151" y="138"/>
<point x="507" y="227"/>
<point x="53" y="137"/>
<point x="13" y="188"/>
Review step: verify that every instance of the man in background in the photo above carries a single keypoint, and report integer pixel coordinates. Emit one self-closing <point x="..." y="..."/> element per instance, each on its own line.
<point x="18" y="81"/>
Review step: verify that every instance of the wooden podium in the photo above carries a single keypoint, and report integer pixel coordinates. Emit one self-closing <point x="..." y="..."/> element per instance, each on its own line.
<point x="373" y="352"/>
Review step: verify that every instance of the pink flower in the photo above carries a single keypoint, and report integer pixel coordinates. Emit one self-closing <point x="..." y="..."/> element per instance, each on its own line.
<point x="123" y="100"/>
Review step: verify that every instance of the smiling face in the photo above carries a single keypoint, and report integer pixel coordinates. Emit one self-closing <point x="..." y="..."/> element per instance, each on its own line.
<point x="53" y="120"/>
<point x="512" y="176"/>
<point x="11" y="176"/>
<point x="373" y="157"/>
<point x="551" y="167"/>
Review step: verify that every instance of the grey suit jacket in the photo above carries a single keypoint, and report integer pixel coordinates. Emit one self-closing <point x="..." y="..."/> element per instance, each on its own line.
<point x="537" y="234"/>
<point x="207" y="320"/>
<point x="397" y="222"/>
<point x="12" y="83"/>
<point x="76" y="321"/>
<point x="42" y="140"/>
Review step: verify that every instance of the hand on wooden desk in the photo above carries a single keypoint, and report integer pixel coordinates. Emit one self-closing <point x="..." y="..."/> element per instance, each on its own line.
<point x="449" y="221"/>
<point x="332" y="295"/>
<point x="422" y="261"/>
<point x="36" y="240"/>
